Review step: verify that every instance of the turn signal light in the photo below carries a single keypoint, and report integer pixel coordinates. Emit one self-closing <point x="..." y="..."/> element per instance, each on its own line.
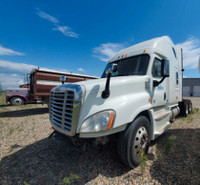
<point x="111" y="120"/>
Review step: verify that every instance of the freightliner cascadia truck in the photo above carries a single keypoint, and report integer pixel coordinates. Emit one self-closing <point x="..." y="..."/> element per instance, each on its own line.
<point x="136" y="99"/>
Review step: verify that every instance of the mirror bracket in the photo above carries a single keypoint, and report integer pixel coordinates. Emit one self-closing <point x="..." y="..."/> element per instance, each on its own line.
<point x="106" y="92"/>
<point x="156" y="83"/>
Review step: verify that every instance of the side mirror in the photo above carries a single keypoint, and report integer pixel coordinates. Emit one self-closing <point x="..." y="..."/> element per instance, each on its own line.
<point x="63" y="79"/>
<point x="111" y="69"/>
<point x="165" y="68"/>
<point x="164" y="72"/>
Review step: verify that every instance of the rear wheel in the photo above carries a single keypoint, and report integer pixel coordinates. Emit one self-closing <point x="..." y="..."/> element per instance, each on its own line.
<point x="133" y="141"/>
<point x="186" y="109"/>
<point x="189" y="108"/>
<point x="17" y="101"/>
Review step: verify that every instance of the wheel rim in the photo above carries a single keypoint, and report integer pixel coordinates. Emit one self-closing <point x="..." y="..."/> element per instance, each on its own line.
<point x="17" y="101"/>
<point x="186" y="110"/>
<point x="140" y="141"/>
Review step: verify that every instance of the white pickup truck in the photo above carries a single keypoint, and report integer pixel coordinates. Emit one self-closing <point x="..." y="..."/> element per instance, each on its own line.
<point x="138" y="97"/>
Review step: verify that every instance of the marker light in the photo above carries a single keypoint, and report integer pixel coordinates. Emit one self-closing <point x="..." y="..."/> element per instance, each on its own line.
<point x="126" y="54"/>
<point x="145" y="50"/>
<point x="111" y="120"/>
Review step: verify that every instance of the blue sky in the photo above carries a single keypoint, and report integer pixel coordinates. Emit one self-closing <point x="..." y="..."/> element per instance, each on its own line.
<point x="79" y="36"/>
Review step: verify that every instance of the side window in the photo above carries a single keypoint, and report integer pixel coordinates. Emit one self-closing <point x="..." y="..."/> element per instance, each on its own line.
<point x="176" y="78"/>
<point x="156" y="69"/>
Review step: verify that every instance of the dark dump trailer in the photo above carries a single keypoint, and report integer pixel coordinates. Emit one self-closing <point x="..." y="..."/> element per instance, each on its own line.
<point x="42" y="81"/>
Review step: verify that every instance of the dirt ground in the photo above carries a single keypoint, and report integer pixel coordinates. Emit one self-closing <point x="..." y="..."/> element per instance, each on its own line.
<point x="195" y="101"/>
<point x="28" y="156"/>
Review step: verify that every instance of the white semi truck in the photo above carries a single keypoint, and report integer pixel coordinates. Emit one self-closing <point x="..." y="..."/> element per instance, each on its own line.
<point x="137" y="99"/>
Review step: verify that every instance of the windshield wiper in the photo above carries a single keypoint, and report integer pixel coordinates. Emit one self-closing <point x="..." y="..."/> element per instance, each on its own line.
<point x="124" y="74"/>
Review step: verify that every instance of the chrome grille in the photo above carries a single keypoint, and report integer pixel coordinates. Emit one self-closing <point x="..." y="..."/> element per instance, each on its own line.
<point x="61" y="109"/>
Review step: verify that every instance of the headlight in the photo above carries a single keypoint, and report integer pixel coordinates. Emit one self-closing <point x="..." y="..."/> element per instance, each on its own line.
<point x="98" y="122"/>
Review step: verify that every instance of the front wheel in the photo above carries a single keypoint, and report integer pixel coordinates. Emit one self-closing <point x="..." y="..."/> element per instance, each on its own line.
<point x="17" y="101"/>
<point x="133" y="141"/>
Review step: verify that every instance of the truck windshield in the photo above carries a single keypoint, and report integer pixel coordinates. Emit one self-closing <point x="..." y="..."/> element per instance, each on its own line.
<point x="136" y="65"/>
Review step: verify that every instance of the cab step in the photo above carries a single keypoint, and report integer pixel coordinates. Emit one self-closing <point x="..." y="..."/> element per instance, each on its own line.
<point x="161" y="114"/>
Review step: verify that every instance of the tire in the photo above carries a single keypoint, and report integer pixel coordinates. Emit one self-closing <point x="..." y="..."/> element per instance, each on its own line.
<point x="190" y="108"/>
<point x="186" y="109"/>
<point x="17" y="101"/>
<point x="129" y="145"/>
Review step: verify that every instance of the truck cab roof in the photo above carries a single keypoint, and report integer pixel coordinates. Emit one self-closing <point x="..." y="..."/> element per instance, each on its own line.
<point x="162" y="46"/>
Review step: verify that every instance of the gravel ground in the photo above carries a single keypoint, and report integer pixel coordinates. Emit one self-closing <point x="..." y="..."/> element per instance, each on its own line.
<point x="28" y="156"/>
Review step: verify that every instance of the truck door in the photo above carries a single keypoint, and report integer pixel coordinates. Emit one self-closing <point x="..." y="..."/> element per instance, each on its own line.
<point x="159" y="93"/>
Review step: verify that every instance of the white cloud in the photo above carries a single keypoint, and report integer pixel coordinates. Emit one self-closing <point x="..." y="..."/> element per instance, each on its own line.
<point x="12" y="74"/>
<point x="105" y="51"/>
<point x="6" y="66"/>
<point x="10" y="81"/>
<point x="7" y="51"/>
<point x="81" y="69"/>
<point x="191" y="52"/>
<point x="17" y="68"/>
<point x="46" y="16"/>
<point x="65" y="30"/>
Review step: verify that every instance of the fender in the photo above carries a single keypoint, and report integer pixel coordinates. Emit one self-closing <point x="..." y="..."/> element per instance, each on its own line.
<point x="17" y="95"/>
<point x="149" y="114"/>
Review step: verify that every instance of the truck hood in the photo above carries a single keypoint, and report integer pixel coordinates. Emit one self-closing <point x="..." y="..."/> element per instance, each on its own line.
<point x="122" y="90"/>
<point x="98" y="85"/>
<point x="127" y="94"/>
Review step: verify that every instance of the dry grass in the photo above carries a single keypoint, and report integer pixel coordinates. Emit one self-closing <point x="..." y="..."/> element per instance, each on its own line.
<point x="2" y="98"/>
<point x="28" y="156"/>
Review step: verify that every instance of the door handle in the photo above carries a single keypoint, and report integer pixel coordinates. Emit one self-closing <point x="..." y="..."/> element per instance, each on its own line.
<point x="165" y="96"/>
